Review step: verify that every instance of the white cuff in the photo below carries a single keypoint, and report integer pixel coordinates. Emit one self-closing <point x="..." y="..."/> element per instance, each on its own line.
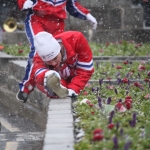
<point x="72" y="93"/>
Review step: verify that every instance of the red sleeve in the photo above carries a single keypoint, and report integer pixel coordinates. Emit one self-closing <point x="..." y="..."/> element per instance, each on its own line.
<point x="77" y="10"/>
<point x="85" y="67"/>
<point x="39" y="68"/>
<point x="81" y="8"/>
<point x="21" y="3"/>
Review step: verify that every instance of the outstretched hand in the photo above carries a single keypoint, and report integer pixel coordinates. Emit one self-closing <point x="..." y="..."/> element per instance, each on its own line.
<point x="27" y="5"/>
<point x="92" y="20"/>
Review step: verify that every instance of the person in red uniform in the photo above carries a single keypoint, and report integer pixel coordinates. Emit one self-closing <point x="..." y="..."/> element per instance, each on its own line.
<point x="49" y="16"/>
<point x="63" y="64"/>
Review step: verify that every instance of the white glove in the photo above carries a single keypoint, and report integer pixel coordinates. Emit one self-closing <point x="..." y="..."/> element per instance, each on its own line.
<point x="92" y="20"/>
<point x="49" y="73"/>
<point x="72" y="93"/>
<point x="28" y="4"/>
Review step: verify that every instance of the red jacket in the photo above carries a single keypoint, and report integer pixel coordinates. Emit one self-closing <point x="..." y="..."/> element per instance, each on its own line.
<point x="78" y="65"/>
<point x="57" y="8"/>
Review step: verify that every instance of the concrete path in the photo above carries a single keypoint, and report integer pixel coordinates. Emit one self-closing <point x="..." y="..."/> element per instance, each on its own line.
<point x="19" y="133"/>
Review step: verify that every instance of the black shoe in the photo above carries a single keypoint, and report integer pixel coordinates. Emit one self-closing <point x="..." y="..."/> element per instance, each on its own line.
<point x="22" y="96"/>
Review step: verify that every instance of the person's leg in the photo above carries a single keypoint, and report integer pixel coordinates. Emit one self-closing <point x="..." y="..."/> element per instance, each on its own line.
<point x="33" y="25"/>
<point x="49" y="82"/>
<point x="26" y="86"/>
<point x="53" y="25"/>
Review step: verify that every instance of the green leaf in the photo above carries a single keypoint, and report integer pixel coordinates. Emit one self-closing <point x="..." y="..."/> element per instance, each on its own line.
<point x="147" y="131"/>
<point x="108" y="108"/>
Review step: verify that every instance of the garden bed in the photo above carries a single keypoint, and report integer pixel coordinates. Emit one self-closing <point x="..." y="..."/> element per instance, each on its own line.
<point x="112" y="113"/>
<point x="133" y="70"/>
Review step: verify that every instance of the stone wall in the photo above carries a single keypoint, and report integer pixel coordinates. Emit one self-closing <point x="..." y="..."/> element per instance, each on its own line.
<point x="117" y="20"/>
<point x="11" y="73"/>
<point x="110" y="14"/>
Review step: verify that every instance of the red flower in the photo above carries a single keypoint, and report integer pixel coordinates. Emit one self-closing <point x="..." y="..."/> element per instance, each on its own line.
<point x="128" y="97"/>
<point x="137" y="84"/>
<point x="147" y="96"/>
<point x="138" y="45"/>
<point x="146" y="80"/>
<point x="85" y="93"/>
<point x="92" y="112"/>
<point x="101" y="50"/>
<point x="128" y="105"/>
<point x="118" y="67"/>
<point x="128" y="100"/>
<point x="125" y="62"/>
<point x="118" y="105"/>
<point x="111" y="87"/>
<point x="1" y="47"/>
<point x="98" y="130"/>
<point x="20" y="51"/>
<point x="89" y="103"/>
<point x="141" y="67"/>
<point x="111" y="126"/>
<point x="98" y="134"/>
<point x="125" y="80"/>
<point x="98" y="137"/>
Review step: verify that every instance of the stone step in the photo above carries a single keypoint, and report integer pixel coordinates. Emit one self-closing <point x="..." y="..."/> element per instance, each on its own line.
<point x="17" y="68"/>
<point x="37" y="99"/>
<point x="11" y="73"/>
